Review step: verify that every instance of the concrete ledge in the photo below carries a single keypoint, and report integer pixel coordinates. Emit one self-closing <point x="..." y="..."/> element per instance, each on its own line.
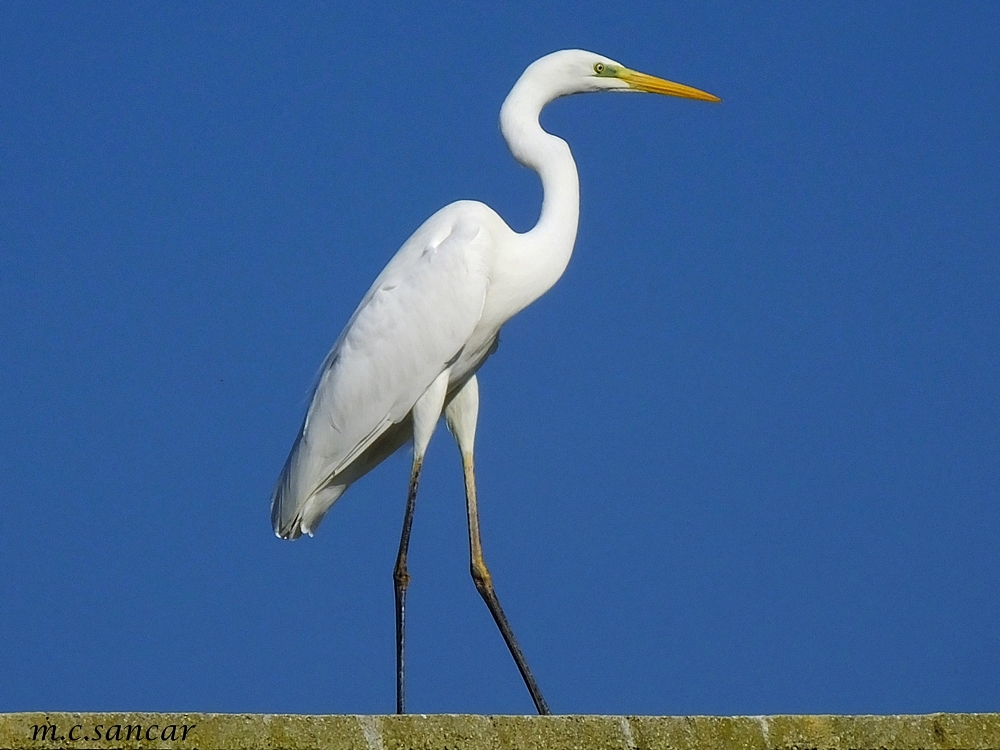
<point x="148" y="731"/>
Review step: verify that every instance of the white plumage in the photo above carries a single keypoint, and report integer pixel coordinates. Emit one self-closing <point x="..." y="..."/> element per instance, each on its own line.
<point x="411" y="350"/>
<point x="419" y="318"/>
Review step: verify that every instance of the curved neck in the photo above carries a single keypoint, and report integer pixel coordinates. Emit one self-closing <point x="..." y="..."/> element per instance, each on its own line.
<point x="547" y="247"/>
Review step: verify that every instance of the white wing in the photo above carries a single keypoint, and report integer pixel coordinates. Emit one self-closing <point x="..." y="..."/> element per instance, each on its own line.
<point x="410" y="326"/>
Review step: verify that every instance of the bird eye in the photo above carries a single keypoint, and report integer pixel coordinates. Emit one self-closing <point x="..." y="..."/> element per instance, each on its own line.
<point x="599" y="68"/>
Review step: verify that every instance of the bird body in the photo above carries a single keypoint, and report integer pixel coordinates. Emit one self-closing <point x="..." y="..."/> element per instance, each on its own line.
<point x="421" y="316"/>
<point x="411" y="350"/>
<point x="438" y="304"/>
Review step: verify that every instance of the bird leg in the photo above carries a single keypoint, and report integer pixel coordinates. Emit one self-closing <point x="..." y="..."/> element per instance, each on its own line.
<point x="462" y="413"/>
<point x="426" y="412"/>
<point x="401" y="579"/>
<point x="484" y="585"/>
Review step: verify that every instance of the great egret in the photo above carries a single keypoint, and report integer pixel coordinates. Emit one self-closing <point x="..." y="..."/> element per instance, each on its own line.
<point x="411" y="350"/>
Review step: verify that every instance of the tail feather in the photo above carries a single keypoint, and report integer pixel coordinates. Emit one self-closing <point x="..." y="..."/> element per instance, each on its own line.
<point x="287" y="501"/>
<point x="295" y="509"/>
<point x="305" y="490"/>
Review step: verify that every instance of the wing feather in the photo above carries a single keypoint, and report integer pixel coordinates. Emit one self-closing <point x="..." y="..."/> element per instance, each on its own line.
<point x="412" y="324"/>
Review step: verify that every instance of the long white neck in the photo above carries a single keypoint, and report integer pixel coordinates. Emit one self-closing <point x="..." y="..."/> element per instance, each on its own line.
<point x="543" y="252"/>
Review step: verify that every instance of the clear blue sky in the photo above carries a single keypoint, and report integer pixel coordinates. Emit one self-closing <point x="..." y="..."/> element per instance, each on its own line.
<point x="743" y="458"/>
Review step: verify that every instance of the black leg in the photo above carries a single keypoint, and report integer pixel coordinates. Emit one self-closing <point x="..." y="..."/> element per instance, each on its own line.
<point x="484" y="585"/>
<point x="401" y="579"/>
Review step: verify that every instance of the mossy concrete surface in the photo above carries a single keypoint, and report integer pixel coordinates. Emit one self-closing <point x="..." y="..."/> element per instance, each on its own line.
<point x="146" y="731"/>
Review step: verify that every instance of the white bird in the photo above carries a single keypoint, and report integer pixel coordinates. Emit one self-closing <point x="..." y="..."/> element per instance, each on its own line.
<point x="411" y="350"/>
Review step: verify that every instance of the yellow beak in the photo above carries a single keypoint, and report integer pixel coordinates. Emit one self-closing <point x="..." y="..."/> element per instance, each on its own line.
<point x="654" y="85"/>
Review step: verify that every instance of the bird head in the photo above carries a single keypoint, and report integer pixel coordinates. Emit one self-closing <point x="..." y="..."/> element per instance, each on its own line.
<point x="575" y="71"/>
